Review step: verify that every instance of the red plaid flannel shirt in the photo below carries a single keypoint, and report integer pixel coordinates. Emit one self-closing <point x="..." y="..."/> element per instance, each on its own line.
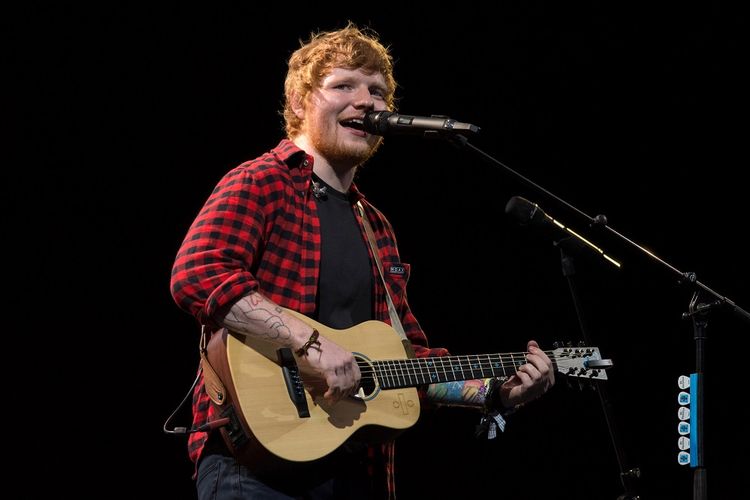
<point x="259" y="230"/>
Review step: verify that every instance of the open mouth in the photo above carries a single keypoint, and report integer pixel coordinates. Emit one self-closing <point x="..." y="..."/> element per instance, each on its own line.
<point x="355" y="123"/>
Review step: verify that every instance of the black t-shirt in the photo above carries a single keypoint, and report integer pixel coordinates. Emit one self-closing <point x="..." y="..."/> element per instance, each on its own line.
<point x="345" y="286"/>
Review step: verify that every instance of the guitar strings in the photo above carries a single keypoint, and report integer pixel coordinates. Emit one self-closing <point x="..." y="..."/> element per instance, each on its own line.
<point x="462" y="363"/>
<point x="414" y="368"/>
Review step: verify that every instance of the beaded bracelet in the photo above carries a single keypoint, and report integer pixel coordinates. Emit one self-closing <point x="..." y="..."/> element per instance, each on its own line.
<point x="313" y="340"/>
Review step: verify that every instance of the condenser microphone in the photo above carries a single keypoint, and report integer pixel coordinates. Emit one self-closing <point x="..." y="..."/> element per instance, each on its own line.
<point x="527" y="213"/>
<point x="391" y="123"/>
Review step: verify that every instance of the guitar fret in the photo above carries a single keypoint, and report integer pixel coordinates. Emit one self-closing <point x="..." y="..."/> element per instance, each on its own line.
<point x="396" y="372"/>
<point x="421" y="372"/>
<point x="430" y="365"/>
<point x="404" y="372"/>
<point x="413" y="366"/>
<point x="378" y="374"/>
<point x="457" y="358"/>
<point x="392" y="373"/>
<point x="399" y="373"/>
<point x="478" y="366"/>
<point x="445" y="373"/>
<point x="489" y="362"/>
<point x="500" y="365"/>
<point x="385" y="381"/>
<point x="405" y="369"/>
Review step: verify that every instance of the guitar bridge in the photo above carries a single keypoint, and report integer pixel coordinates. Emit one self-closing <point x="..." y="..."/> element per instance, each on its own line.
<point x="293" y="381"/>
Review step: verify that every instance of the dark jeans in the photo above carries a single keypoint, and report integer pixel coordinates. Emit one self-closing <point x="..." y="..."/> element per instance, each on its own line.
<point x="340" y="477"/>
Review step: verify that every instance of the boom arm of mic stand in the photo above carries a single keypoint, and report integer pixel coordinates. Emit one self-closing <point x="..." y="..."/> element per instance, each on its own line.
<point x="601" y="221"/>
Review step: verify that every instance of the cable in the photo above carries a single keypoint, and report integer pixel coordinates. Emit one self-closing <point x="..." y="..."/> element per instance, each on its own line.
<point x="182" y="430"/>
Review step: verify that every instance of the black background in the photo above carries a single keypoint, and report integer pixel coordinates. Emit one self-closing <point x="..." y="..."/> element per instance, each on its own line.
<point x="126" y="117"/>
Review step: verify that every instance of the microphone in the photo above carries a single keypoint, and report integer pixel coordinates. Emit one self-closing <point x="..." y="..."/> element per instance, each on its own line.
<point x="391" y="123"/>
<point x="530" y="214"/>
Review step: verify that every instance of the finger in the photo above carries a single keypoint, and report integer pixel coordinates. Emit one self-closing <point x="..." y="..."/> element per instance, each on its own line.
<point x="540" y="364"/>
<point x="523" y="376"/>
<point x="530" y="371"/>
<point x="333" y="394"/>
<point x="534" y="349"/>
<point x="542" y="378"/>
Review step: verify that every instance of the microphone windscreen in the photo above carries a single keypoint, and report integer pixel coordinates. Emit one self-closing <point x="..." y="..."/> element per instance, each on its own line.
<point x="376" y="122"/>
<point x="522" y="210"/>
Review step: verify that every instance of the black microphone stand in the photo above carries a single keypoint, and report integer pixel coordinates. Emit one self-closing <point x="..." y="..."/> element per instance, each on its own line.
<point x="698" y="312"/>
<point x="628" y="476"/>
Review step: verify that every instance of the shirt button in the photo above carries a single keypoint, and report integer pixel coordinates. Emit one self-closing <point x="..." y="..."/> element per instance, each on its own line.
<point x="305" y="163"/>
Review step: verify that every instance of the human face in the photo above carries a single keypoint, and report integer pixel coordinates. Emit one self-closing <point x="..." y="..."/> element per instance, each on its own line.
<point x="344" y="94"/>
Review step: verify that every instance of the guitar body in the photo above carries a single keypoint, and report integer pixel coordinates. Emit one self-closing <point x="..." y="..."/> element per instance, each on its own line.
<point x="260" y="399"/>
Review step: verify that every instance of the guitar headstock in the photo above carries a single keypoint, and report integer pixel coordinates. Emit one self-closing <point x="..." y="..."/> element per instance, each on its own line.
<point x="581" y="362"/>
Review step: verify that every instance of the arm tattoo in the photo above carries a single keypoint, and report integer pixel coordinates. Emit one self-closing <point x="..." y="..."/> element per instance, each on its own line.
<point x="465" y="393"/>
<point x="255" y="316"/>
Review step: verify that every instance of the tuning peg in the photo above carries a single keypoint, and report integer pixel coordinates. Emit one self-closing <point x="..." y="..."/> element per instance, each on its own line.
<point x="581" y="343"/>
<point x="555" y="344"/>
<point x="569" y="344"/>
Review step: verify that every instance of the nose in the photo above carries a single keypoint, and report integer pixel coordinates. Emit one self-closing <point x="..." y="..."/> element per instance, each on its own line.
<point x="363" y="99"/>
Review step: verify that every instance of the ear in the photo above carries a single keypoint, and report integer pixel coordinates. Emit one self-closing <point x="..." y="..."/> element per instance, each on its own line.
<point x="298" y="105"/>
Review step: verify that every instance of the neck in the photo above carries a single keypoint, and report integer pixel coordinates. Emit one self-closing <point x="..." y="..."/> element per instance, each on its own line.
<point x="339" y="177"/>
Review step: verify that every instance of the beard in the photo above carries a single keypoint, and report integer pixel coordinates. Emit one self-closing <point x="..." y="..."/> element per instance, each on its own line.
<point x="340" y="153"/>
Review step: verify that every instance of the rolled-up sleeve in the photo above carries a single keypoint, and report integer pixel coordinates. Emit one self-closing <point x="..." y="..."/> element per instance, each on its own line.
<point x="212" y="269"/>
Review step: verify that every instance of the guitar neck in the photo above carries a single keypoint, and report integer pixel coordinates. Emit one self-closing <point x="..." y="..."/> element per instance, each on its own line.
<point x="397" y="373"/>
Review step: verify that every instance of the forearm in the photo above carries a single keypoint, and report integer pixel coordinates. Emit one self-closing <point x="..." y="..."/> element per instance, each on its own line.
<point x="256" y="315"/>
<point x="470" y="393"/>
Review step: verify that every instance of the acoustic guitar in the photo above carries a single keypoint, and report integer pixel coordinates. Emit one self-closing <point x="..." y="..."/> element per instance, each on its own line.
<point x="273" y="406"/>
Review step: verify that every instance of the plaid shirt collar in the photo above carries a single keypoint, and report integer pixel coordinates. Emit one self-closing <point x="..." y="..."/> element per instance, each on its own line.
<point x="296" y="159"/>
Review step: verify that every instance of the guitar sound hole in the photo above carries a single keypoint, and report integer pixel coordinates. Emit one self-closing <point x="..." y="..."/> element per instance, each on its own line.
<point x="368" y="382"/>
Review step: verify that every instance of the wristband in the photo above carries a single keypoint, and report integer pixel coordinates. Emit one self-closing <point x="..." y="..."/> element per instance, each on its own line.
<point x="313" y="340"/>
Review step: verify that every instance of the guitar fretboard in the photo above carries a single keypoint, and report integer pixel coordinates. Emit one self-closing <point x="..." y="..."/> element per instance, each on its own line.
<point x="396" y="373"/>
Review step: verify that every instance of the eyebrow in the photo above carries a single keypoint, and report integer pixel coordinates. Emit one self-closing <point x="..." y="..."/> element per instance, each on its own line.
<point x="337" y="80"/>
